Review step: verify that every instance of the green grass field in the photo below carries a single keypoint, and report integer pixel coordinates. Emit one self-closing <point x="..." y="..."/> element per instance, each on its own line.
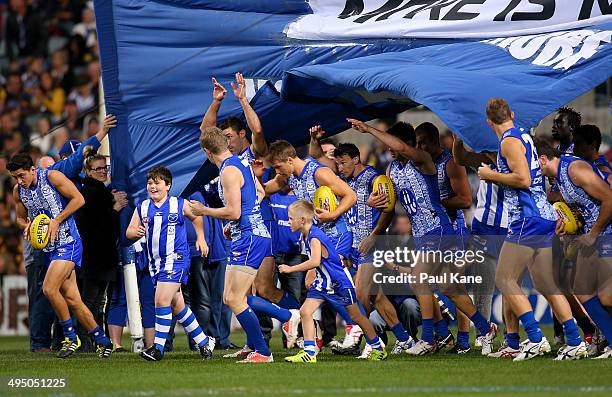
<point x="182" y="373"/>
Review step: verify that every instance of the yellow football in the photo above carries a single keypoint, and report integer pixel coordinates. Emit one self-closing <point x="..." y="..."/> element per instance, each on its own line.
<point x="383" y="184"/>
<point x="567" y="216"/>
<point x="325" y="198"/>
<point x="39" y="236"/>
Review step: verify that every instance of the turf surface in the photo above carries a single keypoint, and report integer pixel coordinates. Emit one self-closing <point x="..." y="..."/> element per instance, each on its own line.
<point x="182" y="373"/>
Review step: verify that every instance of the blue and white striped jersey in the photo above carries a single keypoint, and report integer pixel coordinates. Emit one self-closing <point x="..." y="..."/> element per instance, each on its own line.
<point x="332" y="275"/>
<point x="420" y="196"/>
<point x="490" y="205"/>
<point x="250" y="221"/>
<point x="446" y="190"/>
<point x="304" y="188"/>
<point x="264" y="207"/>
<point x="166" y="234"/>
<point x="531" y="202"/>
<point x="576" y="197"/>
<point x="361" y="218"/>
<point x="43" y="198"/>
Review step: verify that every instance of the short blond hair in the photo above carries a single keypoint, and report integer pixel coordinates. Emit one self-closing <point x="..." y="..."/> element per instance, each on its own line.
<point x="281" y="151"/>
<point x="498" y="111"/>
<point x="302" y="208"/>
<point x="213" y="139"/>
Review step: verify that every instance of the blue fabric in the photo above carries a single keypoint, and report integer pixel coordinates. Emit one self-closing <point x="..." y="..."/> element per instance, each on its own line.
<point x="481" y="323"/>
<point x="513" y="340"/>
<point x="463" y="339"/>
<point x="160" y="335"/>
<point x="68" y="329"/>
<point x="600" y="316"/>
<point x="441" y="328"/>
<point x="72" y="166"/>
<point x="99" y="336"/>
<point x="400" y="332"/>
<point x="310" y="347"/>
<point x="427" y="330"/>
<point x="262" y="306"/>
<point x="531" y="327"/>
<point x="572" y="335"/>
<point x="250" y="324"/>
<point x="186" y="318"/>
<point x="146" y="59"/>
<point x="288" y="301"/>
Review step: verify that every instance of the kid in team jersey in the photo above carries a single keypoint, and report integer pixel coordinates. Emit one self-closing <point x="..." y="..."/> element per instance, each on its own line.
<point x="332" y="283"/>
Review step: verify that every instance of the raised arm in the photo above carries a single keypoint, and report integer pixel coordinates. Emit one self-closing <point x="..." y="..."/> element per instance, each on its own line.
<point x="110" y="121"/>
<point x="347" y="197"/>
<point x="519" y="177"/>
<point x="75" y="200"/>
<point x="259" y="146"/>
<point x="314" y="149"/>
<point x="417" y="156"/>
<point x="460" y="185"/>
<point x="210" y="118"/>
<point x="582" y="175"/>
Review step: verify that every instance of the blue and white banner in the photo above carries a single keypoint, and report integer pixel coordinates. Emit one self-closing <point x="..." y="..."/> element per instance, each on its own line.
<point x="375" y="19"/>
<point x="158" y="58"/>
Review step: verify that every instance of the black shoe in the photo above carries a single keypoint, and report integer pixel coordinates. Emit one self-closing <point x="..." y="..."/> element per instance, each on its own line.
<point x="458" y="350"/>
<point x="69" y="346"/>
<point x="206" y="351"/>
<point x="152" y="354"/>
<point x="443" y="342"/>
<point x="104" y="351"/>
<point x="120" y="349"/>
<point x="231" y="346"/>
<point x="352" y="351"/>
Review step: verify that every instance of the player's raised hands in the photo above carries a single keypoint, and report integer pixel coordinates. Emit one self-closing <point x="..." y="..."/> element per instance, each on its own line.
<point x="358" y="125"/>
<point x="316" y="132"/>
<point x="110" y="121"/>
<point x="218" y="90"/>
<point x="240" y="87"/>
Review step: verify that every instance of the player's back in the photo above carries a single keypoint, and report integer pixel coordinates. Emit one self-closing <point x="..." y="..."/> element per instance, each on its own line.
<point x="166" y="234"/>
<point x="490" y="209"/>
<point x="250" y="221"/>
<point x="44" y="198"/>
<point x="331" y="273"/>
<point x="420" y="196"/>
<point x="446" y="190"/>
<point x="530" y="202"/>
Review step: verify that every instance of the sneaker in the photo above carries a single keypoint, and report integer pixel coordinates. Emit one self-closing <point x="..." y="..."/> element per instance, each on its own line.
<point x="505" y="351"/>
<point x="378" y="355"/>
<point x="402" y="347"/>
<point x="104" y="351"/>
<point x="301" y="357"/>
<point x="152" y="354"/>
<point x="69" y="346"/>
<point x="365" y="354"/>
<point x="290" y="328"/>
<point x="206" y="351"/>
<point x="487" y="340"/>
<point x="444" y="342"/>
<point x="607" y="353"/>
<point x="529" y="351"/>
<point x="545" y="345"/>
<point x="458" y="349"/>
<point x="352" y="337"/>
<point x="245" y="351"/>
<point x="573" y="352"/>
<point x="255" y="357"/>
<point x="422" y="348"/>
<point x="119" y="349"/>
<point x="350" y="351"/>
<point x="478" y="341"/>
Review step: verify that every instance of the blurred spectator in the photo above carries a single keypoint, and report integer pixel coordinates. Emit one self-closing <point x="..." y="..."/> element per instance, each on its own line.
<point x="24" y="31"/>
<point x="51" y="96"/>
<point x="87" y="28"/>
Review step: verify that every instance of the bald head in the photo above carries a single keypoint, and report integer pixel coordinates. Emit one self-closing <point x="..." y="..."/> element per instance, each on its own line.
<point x="46" y="162"/>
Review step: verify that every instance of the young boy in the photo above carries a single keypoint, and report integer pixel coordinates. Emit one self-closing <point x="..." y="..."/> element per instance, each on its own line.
<point x="332" y="283"/>
<point x="161" y="218"/>
<point x="50" y="192"/>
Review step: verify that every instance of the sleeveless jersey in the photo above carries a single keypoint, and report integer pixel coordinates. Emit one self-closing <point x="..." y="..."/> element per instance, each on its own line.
<point x="250" y="221"/>
<point x="490" y="209"/>
<point x="304" y="188"/>
<point x="166" y="234"/>
<point x="264" y="207"/>
<point x="576" y="197"/>
<point x="419" y="195"/>
<point x="331" y="273"/>
<point x="361" y="218"/>
<point x="45" y="199"/>
<point x="446" y="190"/>
<point x="530" y="202"/>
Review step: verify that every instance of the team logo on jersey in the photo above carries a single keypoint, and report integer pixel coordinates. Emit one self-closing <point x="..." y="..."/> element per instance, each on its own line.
<point x="173" y="218"/>
<point x="145" y="220"/>
<point x="46" y="190"/>
<point x="409" y="201"/>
